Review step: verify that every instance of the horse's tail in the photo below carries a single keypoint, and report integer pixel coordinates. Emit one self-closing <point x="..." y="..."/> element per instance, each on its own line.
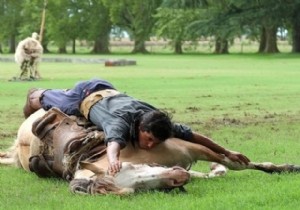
<point x="10" y="156"/>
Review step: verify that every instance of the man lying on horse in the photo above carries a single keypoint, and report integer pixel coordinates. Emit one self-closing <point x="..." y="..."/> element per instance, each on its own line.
<point x="121" y="118"/>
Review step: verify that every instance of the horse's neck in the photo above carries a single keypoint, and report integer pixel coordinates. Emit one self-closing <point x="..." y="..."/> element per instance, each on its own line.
<point x="169" y="153"/>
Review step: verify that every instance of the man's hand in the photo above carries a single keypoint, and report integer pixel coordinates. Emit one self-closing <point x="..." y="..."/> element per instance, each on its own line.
<point x="237" y="157"/>
<point x="114" y="167"/>
<point x="113" y="153"/>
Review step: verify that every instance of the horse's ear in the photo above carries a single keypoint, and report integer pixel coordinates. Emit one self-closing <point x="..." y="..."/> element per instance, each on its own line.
<point x="92" y="167"/>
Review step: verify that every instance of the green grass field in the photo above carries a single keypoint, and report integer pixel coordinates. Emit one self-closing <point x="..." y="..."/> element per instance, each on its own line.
<point x="248" y="103"/>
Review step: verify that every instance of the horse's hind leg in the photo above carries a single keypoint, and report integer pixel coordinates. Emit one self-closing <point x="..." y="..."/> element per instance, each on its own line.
<point x="9" y="156"/>
<point x="6" y="159"/>
<point x="23" y="156"/>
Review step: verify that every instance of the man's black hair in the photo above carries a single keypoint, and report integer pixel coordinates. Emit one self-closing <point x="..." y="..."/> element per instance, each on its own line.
<point x="158" y="123"/>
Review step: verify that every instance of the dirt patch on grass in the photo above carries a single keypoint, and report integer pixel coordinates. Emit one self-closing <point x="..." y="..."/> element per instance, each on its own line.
<point x="243" y="118"/>
<point x="193" y="109"/>
<point x="7" y="135"/>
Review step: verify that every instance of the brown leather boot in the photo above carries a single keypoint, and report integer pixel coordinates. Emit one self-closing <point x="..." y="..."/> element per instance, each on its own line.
<point x="33" y="102"/>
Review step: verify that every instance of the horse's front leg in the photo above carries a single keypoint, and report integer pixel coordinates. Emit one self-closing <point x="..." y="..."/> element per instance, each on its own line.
<point x="272" y="168"/>
<point x="199" y="152"/>
<point x="267" y="167"/>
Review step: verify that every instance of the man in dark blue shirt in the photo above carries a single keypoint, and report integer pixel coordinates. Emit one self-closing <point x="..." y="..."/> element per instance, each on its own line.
<point x="122" y="118"/>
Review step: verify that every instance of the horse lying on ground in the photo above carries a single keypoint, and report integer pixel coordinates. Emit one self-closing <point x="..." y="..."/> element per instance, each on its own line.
<point x="65" y="147"/>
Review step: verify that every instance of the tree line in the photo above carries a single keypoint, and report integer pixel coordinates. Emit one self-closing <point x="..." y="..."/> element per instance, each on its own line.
<point x="179" y="21"/>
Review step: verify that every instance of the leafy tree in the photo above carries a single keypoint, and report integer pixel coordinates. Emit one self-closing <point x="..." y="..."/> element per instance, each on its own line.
<point x="66" y="22"/>
<point x="209" y="20"/>
<point x="98" y="25"/>
<point x="177" y="20"/>
<point x="280" y="13"/>
<point x="32" y="18"/>
<point x="293" y="23"/>
<point x="2" y="12"/>
<point x="215" y="23"/>
<point x="172" y="24"/>
<point x="136" y="17"/>
<point x="185" y="4"/>
<point x="252" y="16"/>
<point x="10" y="20"/>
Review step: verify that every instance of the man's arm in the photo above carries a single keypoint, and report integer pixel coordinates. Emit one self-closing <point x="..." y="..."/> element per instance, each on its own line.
<point x="207" y="142"/>
<point x="113" y="153"/>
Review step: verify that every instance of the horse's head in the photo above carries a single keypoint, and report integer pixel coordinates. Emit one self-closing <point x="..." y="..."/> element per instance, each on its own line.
<point x="131" y="177"/>
<point x="145" y="176"/>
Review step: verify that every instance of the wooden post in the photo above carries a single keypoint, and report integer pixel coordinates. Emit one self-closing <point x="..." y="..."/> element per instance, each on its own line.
<point x="43" y="22"/>
<point x="41" y="35"/>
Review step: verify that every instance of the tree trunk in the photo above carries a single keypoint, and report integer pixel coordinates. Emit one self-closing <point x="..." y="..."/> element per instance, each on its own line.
<point x="221" y="46"/>
<point x="101" y="44"/>
<point x="62" y="50"/>
<point x="45" y="42"/>
<point x="262" y="41"/>
<point x="74" y="46"/>
<point x="178" y="47"/>
<point x="139" y="47"/>
<point x="45" y="47"/>
<point x="271" y="40"/>
<point x="296" y="37"/>
<point x="1" y="51"/>
<point x="12" y="46"/>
